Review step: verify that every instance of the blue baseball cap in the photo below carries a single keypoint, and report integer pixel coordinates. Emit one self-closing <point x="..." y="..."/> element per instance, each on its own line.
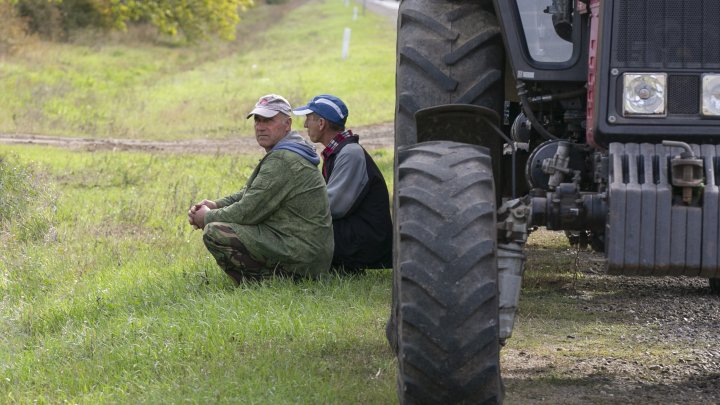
<point x="329" y="107"/>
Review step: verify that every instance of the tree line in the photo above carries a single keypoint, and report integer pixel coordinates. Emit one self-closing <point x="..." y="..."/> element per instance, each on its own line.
<point x="56" y="19"/>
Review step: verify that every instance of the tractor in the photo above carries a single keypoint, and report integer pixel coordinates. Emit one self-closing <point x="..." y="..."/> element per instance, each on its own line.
<point x="599" y="118"/>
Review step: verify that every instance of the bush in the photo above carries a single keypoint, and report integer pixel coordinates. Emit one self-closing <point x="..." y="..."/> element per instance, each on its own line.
<point x="56" y="19"/>
<point x="194" y="19"/>
<point x="13" y="29"/>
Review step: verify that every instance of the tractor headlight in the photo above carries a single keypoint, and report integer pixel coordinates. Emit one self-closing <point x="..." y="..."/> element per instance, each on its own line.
<point x="644" y="94"/>
<point x="711" y="95"/>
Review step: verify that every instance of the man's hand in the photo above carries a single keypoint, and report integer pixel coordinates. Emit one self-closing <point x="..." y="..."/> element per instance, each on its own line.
<point x="196" y="213"/>
<point x="210" y="204"/>
<point x="198" y="217"/>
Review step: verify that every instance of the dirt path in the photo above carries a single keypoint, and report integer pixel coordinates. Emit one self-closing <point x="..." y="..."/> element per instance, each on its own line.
<point x="371" y="137"/>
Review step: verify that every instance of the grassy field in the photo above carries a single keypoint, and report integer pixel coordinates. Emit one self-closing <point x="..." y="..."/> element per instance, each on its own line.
<point x="100" y="87"/>
<point x="107" y="295"/>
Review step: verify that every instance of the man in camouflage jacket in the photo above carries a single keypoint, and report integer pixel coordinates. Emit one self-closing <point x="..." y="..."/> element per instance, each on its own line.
<point x="280" y="222"/>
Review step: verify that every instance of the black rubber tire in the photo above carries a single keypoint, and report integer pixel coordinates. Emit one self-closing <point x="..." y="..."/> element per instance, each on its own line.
<point x="446" y="275"/>
<point x="714" y="286"/>
<point x="447" y="52"/>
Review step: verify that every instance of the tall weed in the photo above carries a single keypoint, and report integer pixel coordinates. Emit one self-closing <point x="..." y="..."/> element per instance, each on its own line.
<point x="27" y="203"/>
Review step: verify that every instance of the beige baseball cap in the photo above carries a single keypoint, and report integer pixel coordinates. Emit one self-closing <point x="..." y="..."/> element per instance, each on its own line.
<point x="269" y="105"/>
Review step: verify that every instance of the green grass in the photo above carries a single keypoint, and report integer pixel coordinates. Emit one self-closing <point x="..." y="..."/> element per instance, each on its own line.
<point x="124" y="304"/>
<point x="146" y="91"/>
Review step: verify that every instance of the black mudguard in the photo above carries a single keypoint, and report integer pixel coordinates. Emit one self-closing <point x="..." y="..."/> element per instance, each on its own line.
<point x="464" y="123"/>
<point x="470" y="124"/>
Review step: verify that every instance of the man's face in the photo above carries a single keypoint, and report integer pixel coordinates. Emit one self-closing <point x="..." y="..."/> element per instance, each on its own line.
<point x="269" y="131"/>
<point x="312" y="124"/>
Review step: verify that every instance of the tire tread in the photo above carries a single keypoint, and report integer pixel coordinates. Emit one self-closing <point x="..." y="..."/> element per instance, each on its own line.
<point x="448" y="300"/>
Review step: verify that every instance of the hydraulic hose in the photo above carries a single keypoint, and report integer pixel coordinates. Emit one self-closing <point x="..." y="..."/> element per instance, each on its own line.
<point x="525" y="105"/>
<point x="514" y="150"/>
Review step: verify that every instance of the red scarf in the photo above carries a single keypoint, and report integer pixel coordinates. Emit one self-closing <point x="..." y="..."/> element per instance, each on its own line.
<point x="330" y="148"/>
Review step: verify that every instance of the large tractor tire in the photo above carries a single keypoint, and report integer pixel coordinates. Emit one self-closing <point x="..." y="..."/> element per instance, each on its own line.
<point x="448" y="52"/>
<point x="445" y="285"/>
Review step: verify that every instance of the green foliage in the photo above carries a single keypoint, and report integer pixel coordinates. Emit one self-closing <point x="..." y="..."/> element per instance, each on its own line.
<point x="194" y="19"/>
<point x="123" y="304"/>
<point x="55" y="19"/>
<point x="12" y="29"/>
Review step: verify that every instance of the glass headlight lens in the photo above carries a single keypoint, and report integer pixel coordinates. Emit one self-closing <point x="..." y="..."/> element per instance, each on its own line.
<point x="644" y="94"/>
<point x="711" y="95"/>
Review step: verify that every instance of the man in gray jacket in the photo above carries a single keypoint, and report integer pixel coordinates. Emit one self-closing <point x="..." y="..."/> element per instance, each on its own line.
<point x="280" y="222"/>
<point x="359" y="200"/>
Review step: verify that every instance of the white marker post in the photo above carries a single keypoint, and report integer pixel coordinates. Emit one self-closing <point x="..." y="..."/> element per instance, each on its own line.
<point x="354" y="13"/>
<point x="346" y="43"/>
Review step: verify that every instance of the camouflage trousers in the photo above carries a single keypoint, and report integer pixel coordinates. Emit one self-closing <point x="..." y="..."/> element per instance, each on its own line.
<point x="232" y="256"/>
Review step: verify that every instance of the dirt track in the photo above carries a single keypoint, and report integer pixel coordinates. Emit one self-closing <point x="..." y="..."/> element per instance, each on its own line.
<point x="371" y="137"/>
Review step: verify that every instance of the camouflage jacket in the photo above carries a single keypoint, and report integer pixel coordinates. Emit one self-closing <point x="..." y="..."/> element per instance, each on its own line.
<point x="282" y="215"/>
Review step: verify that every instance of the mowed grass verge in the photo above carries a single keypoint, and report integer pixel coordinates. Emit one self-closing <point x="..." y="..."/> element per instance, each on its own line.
<point x="104" y="88"/>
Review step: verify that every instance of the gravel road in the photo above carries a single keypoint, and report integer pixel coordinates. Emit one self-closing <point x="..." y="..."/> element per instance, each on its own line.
<point x="678" y="312"/>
